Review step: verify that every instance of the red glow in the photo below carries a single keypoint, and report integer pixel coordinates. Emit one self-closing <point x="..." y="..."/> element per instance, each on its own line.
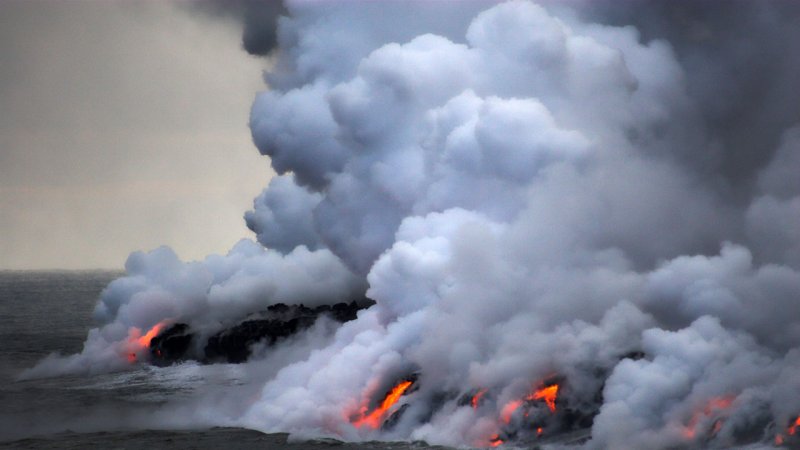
<point x="374" y="419"/>
<point x="138" y="342"/>
<point x="495" y="441"/>
<point x="548" y="394"/>
<point x="144" y="341"/>
<point x="508" y="410"/>
<point x="793" y="429"/>
<point x="718" y="403"/>
<point x="717" y="426"/>
<point x="713" y="407"/>
<point x="476" y="399"/>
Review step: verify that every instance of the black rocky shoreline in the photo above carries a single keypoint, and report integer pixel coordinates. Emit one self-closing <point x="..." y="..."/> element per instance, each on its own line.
<point x="234" y="344"/>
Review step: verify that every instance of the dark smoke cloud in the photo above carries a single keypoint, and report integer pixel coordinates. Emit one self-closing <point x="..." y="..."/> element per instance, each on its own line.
<point x="740" y="60"/>
<point x="259" y="19"/>
<point x="524" y="191"/>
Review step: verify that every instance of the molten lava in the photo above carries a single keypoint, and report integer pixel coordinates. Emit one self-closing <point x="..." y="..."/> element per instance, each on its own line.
<point x="713" y="407"/>
<point x="793" y="428"/>
<point x="476" y="399"/>
<point x="508" y="410"/>
<point x="375" y="418"/>
<point x="548" y="394"/>
<point x="138" y="341"/>
<point x="144" y="341"/>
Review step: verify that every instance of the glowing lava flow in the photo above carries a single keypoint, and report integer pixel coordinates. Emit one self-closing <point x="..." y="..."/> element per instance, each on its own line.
<point x="476" y="399"/>
<point x="714" y="406"/>
<point x="375" y="418"/>
<point x="144" y="341"/>
<point x="508" y="410"/>
<point x="138" y="341"/>
<point x="548" y="394"/>
<point x="791" y="431"/>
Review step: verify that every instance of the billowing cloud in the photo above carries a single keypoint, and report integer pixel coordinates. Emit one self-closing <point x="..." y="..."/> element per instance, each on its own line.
<point x="528" y="195"/>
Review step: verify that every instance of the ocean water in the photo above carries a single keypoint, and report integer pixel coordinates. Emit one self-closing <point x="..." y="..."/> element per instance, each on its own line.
<point x="46" y="312"/>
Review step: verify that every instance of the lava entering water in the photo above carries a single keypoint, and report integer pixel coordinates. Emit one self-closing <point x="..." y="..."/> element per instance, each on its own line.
<point x="145" y="340"/>
<point x="375" y="418"/>
<point x="138" y="341"/>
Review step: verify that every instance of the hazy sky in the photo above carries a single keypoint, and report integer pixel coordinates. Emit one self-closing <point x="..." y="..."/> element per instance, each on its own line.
<point x="123" y="126"/>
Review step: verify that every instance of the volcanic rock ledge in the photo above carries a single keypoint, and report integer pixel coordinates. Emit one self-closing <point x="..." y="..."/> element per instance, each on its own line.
<point x="178" y="342"/>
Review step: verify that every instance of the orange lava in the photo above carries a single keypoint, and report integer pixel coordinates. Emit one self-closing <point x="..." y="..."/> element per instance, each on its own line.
<point x="793" y="429"/>
<point x="548" y="394"/>
<point x="714" y="406"/>
<point x="476" y="399"/>
<point x="508" y="410"/>
<point x="144" y="341"/>
<point x="374" y="419"/>
<point x="138" y="342"/>
<point x="495" y="441"/>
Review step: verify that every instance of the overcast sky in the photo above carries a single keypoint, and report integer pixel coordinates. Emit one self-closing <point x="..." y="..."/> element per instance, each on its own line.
<point x="123" y="126"/>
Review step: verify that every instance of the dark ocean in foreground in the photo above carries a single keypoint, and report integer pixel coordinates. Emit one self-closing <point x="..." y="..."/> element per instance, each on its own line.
<point x="46" y="312"/>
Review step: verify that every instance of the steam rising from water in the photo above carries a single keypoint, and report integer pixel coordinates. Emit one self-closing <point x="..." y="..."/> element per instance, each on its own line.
<point x="524" y="192"/>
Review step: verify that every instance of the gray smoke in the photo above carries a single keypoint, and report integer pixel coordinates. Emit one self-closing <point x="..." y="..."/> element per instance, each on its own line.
<point x="525" y="191"/>
<point x="740" y="62"/>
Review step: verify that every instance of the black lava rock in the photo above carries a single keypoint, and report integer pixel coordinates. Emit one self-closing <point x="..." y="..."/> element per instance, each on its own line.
<point x="391" y="422"/>
<point x="234" y="344"/>
<point x="171" y="344"/>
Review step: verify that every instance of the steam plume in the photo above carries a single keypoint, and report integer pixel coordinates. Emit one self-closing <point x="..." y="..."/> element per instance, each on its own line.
<point x="525" y="191"/>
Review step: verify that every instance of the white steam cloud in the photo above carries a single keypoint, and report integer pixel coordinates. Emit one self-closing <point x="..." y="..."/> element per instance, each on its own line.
<point x="523" y="193"/>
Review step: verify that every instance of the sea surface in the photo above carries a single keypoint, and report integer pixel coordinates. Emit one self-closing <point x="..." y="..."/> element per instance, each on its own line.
<point x="51" y="312"/>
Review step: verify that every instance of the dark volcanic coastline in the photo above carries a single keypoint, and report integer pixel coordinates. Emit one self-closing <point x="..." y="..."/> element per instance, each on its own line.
<point x="234" y="344"/>
<point x="102" y="411"/>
